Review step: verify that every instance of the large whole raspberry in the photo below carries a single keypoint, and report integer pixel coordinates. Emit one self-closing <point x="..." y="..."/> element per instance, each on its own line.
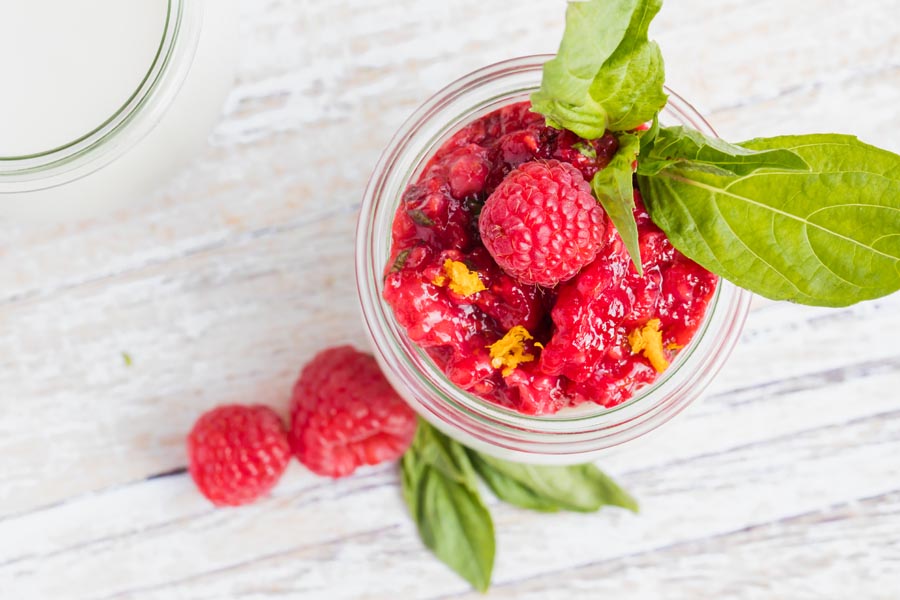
<point x="345" y="414"/>
<point x="237" y="453"/>
<point x="541" y="224"/>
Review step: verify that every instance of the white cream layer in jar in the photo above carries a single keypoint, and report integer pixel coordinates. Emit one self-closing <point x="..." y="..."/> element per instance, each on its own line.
<point x="102" y="100"/>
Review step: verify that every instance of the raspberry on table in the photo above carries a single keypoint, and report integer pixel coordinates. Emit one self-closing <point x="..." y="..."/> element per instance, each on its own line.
<point x="237" y="453"/>
<point x="542" y="224"/>
<point x="345" y="414"/>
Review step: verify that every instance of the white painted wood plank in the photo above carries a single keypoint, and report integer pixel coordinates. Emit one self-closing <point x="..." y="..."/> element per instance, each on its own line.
<point x="832" y="553"/>
<point x="861" y="105"/>
<point x="204" y="331"/>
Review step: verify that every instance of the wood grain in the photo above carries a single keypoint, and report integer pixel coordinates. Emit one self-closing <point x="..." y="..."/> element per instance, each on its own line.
<point x="783" y="483"/>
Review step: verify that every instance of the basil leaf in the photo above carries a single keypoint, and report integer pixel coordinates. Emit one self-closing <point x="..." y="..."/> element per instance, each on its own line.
<point x="649" y="136"/>
<point x="441" y="492"/>
<point x="586" y="150"/>
<point x="510" y="490"/>
<point x="400" y="262"/>
<point x="614" y="188"/>
<point x="418" y="216"/>
<point x="828" y="235"/>
<point x="630" y="84"/>
<point x="593" y="32"/>
<point x="606" y="74"/>
<point x="456" y="525"/>
<point x="690" y="149"/>
<point x="581" y="488"/>
<point x="442" y="453"/>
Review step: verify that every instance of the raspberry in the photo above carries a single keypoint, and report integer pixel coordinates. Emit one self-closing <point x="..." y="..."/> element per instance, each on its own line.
<point x="541" y="224"/>
<point x="345" y="414"/>
<point x="237" y="453"/>
<point x="467" y="171"/>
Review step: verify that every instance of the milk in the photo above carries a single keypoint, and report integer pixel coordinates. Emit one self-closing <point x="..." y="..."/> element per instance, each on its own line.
<point x="69" y="66"/>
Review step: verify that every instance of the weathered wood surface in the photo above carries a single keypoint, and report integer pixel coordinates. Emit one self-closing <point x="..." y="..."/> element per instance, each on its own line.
<point x="783" y="483"/>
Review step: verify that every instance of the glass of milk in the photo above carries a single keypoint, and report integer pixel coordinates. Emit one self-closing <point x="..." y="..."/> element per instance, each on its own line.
<point x="101" y="100"/>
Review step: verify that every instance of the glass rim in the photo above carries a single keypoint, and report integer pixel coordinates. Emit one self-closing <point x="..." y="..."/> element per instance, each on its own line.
<point x="120" y="131"/>
<point x="410" y="368"/>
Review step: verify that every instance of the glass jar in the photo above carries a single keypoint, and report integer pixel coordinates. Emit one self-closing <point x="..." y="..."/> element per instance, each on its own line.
<point x="73" y="159"/>
<point x="572" y="435"/>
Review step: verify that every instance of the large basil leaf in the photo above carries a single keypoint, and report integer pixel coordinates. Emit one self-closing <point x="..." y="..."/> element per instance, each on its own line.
<point x="441" y="492"/>
<point x="606" y="74"/>
<point x="582" y="488"/>
<point x="827" y="235"/>
<point x="614" y="188"/>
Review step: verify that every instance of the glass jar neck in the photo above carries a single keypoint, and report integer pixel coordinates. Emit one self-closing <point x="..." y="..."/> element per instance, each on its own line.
<point x="131" y="122"/>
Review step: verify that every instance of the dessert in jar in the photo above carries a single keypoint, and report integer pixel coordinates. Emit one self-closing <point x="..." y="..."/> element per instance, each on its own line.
<point x="548" y="371"/>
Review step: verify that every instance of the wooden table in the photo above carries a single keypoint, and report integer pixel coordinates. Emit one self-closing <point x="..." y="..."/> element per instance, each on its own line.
<point x="783" y="483"/>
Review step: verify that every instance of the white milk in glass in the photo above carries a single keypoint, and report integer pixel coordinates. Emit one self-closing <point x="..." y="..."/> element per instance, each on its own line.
<point x="101" y="100"/>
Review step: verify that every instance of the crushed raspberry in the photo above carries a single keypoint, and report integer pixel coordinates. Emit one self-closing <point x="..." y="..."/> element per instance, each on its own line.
<point x="237" y="453"/>
<point x="509" y="170"/>
<point x="542" y="224"/>
<point x="595" y="312"/>
<point x="344" y="414"/>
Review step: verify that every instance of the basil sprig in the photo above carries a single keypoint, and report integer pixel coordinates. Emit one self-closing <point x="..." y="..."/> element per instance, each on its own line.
<point x="813" y="219"/>
<point x="441" y="490"/>
<point x="607" y="74"/>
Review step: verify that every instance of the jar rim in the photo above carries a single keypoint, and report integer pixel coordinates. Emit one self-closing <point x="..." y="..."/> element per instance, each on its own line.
<point x="133" y="120"/>
<point x="571" y="434"/>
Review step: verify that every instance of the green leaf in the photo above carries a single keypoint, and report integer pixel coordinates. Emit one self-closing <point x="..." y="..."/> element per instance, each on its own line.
<point x="593" y="32"/>
<point x="418" y="216"/>
<point x="586" y="150"/>
<point x="438" y="451"/>
<point x="630" y="84"/>
<point x="456" y="525"/>
<point x="400" y="261"/>
<point x="606" y="74"/>
<point x="690" y="149"/>
<point x="440" y="489"/>
<point x="614" y="188"/>
<point x="649" y="136"/>
<point x="581" y="488"/>
<point x="825" y="235"/>
<point x="411" y="469"/>
<point x="511" y="490"/>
